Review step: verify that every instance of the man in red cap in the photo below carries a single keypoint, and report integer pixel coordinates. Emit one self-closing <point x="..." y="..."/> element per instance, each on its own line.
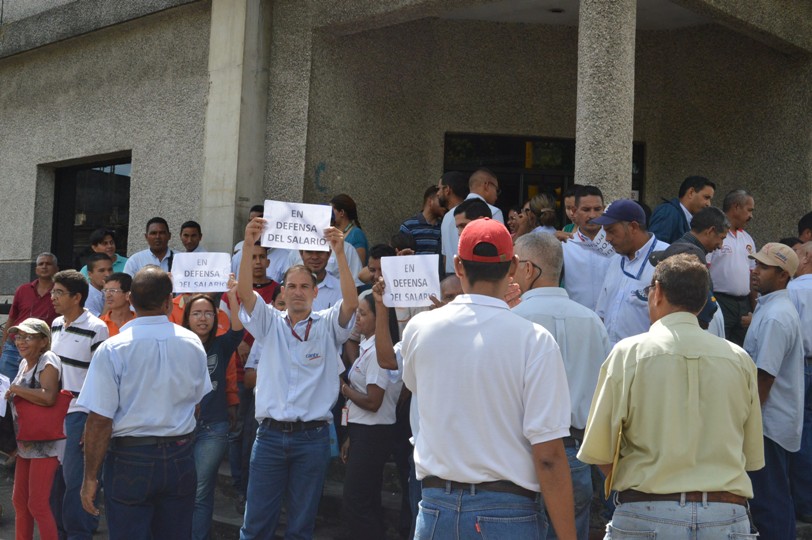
<point x="493" y="405"/>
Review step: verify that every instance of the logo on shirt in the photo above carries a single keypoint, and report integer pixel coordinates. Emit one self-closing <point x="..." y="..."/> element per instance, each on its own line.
<point x="312" y="356"/>
<point x="212" y="363"/>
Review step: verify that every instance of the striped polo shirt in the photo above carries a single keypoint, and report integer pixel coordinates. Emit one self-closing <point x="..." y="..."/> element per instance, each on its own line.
<point x="75" y="345"/>
<point x="426" y="235"/>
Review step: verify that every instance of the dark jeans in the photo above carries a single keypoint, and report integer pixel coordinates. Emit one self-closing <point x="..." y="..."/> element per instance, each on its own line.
<point x="771" y="506"/>
<point x="369" y="448"/>
<point x="149" y="491"/>
<point x="800" y="462"/>
<point x="249" y="435"/>
<point x="733" y="309"/>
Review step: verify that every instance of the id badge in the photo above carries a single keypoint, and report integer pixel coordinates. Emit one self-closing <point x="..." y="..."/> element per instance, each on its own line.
<point x="345" y="415"/>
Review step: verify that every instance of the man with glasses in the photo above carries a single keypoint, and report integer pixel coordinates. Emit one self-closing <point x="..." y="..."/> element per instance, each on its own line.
<point x="117" y="311"/>
<point x="675" y="423"/>
<point x="75" y="335"/>
<point x="584" y="345"/>
<point x="622" y="303"/>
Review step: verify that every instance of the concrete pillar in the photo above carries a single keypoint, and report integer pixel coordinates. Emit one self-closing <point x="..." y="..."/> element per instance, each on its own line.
<point x="605" y="114"/>
<point x="234" y="142"/>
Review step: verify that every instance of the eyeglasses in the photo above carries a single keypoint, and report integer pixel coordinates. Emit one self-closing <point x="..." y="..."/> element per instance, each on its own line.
<point x="495" y="186"/>
<point x="202" y="315"/>
<point x="112" y="291"/>
<point x="28" y="338"/>
<point x="58" y="293"/>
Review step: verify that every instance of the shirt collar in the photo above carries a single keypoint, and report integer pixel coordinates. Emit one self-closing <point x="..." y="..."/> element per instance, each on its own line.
<point x="680" y="317"/>
<point x="688" y="215"/>
<point x="545" y="291"/>
<point x="480" y="300"/>
<point x="767" y="298"/>
<point x="366" y="344"/>
<point x="643" y="250"/>
<point x="145" y="321"/>
<point x="805" y="277"/>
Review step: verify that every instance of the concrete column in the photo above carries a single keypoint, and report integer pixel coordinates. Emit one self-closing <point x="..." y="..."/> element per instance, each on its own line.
<point x="605" y="114"/>
<point x="234" y="142"/>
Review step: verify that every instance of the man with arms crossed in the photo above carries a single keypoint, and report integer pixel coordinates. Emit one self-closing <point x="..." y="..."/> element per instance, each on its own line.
<point x="141" y="390"/>
<point x="297" y="385"/>
<point x="493" y="405"/>
<point x="675" y="421"/>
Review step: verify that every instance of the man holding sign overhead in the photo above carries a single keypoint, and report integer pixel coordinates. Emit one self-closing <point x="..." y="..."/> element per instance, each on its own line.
<point x="297" y="385"/>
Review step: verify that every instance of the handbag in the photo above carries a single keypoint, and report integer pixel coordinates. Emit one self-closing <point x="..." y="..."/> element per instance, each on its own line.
<point x="41" y="423"/>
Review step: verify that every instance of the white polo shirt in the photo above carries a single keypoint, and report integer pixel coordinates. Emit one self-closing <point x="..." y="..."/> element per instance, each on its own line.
<point x="800" y="293"/>
<point x="585" y="265"/>
<point x="449" y="238"/>
<point x="622" y="304"/>
<point x="144" y="257"/>
<point x="580" y="335"/>
<point x="490" y="384"/>
<point x="729" y="266"/>
<point x="365" y="371"/>
<point x="297" y="378"/>
<point x="774" y="342"/>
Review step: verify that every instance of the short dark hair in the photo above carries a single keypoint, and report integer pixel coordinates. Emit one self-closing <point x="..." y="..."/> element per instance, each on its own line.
<point x="191" y="225"/>
<point x="587" y="191"/>
<point x="696" y="182"/>
<point x="457" y="183"/>
<point x="572" y="190"/>
<point x="481" y="271"/>
<point x="710" y="217"/>
<point x="125" y="281"/>
<point x="790" y="241"/>
<point x="403" y="240"/>
<point x="430" y="192"/>
<point x="158" y="220"/>
<point x="98" y="236"/>
<point x="96" y="257"/>
<point x="150" y="288"/>
<point x="805" y="223"/>
<point x="74" y="282"/>
<point x="473" y="209"/>
<point x="737" y="197"/>
<point x="257" y="208"/>
<point x="684" y="280"/>
<point x="381" y="250"/>
<point x="187" y="310"/>
<point x="299" y="268"/>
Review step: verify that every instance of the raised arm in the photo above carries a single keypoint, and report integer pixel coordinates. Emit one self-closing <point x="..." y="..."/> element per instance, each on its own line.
<point x="234" y="304"/>
<point x="245" y="281"/>
<point x="383" y="338"/>
<point x="349" y="295"/>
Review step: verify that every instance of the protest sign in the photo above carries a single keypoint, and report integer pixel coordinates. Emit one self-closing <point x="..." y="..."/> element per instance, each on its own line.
<point x="410" y="279"/>
<point x="296" y="225"/>
<point x="200" y="272"/>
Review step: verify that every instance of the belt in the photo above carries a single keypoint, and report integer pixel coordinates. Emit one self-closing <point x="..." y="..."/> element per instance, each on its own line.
<point x="631" y="495"/>
<point x="501" y="486"/>
<point x="745" y="297"/>
<point x="809" y="360"/>
<point x="127" y="442"/>
<point x="290" y="427"/>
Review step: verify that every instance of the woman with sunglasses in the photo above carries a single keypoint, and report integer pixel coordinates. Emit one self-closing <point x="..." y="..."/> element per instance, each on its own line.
<point x="37" y="381"/>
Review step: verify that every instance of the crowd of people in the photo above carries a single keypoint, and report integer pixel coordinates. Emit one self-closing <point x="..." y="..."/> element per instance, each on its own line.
<point x="663" y="351"/>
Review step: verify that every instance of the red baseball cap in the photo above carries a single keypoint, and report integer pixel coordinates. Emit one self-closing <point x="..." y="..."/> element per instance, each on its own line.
<point x="490" y="233"/>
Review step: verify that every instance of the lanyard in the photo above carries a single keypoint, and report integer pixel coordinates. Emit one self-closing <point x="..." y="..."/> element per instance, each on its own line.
<point x="307" y="330"/>
<point x="642" y="266"/>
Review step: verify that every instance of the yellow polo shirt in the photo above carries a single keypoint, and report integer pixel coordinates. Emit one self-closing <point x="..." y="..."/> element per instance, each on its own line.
<point x="688" y="406"/>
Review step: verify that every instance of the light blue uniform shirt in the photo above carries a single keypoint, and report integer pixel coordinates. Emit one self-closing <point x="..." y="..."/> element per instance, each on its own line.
<point x="296" y="380"/>
<point x="148" y="379"/>
<point x="800" y="292"/>
<point x="774" y="342"/>
<point x="580" y="335"/>
<point x="142" y="258"/>
<point x="621" y="303"/>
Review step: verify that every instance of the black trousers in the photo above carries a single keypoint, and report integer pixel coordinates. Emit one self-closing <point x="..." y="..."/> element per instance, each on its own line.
<point x="733" y="309"/>
<point x="370" y="447"/>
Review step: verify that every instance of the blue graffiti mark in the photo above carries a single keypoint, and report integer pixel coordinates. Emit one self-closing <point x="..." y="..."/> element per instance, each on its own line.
<point x="320" y="168"/>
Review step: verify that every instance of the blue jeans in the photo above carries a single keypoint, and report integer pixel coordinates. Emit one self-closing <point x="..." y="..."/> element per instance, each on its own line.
<point x="149" y="491"/>
<point x="772" y="508"/>
<point x="581" y="492"/>
<point x="667" y="520"/>
<point x="77" y="524"/>
<point x="10" y="360"/>
<point x="415" y="494"/>
<point x="211" y="441"/>
<point x="461" y="514"/>
<point x="289" y="465"/>
<point x="800" y="462"/>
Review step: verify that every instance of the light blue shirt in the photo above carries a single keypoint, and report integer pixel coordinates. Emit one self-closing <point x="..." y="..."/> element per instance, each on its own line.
<point x="621" y="303"/>
<point x="296" y="380"/>
<point x="774" y="342"/>
<point x="580" y="335"/>
<point x="95" y="300"/>
<point x="148" y="379"/>
<point x="329" y="293"/>
<point x="142" y="258"/>
<point x="800" y="292"/>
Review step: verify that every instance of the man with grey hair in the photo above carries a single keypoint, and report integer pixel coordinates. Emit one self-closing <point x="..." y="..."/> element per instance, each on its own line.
<point x="32" y="299"/>
<point x="730" y="267"/>
<point x="583" y="341"/>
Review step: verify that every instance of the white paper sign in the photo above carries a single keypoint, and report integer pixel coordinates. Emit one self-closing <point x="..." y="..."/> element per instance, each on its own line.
<point x="5" y="383"/>
<point x="296" y="225"/>
<point x="410" y="279"/>
<point x="200" y="272"/>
